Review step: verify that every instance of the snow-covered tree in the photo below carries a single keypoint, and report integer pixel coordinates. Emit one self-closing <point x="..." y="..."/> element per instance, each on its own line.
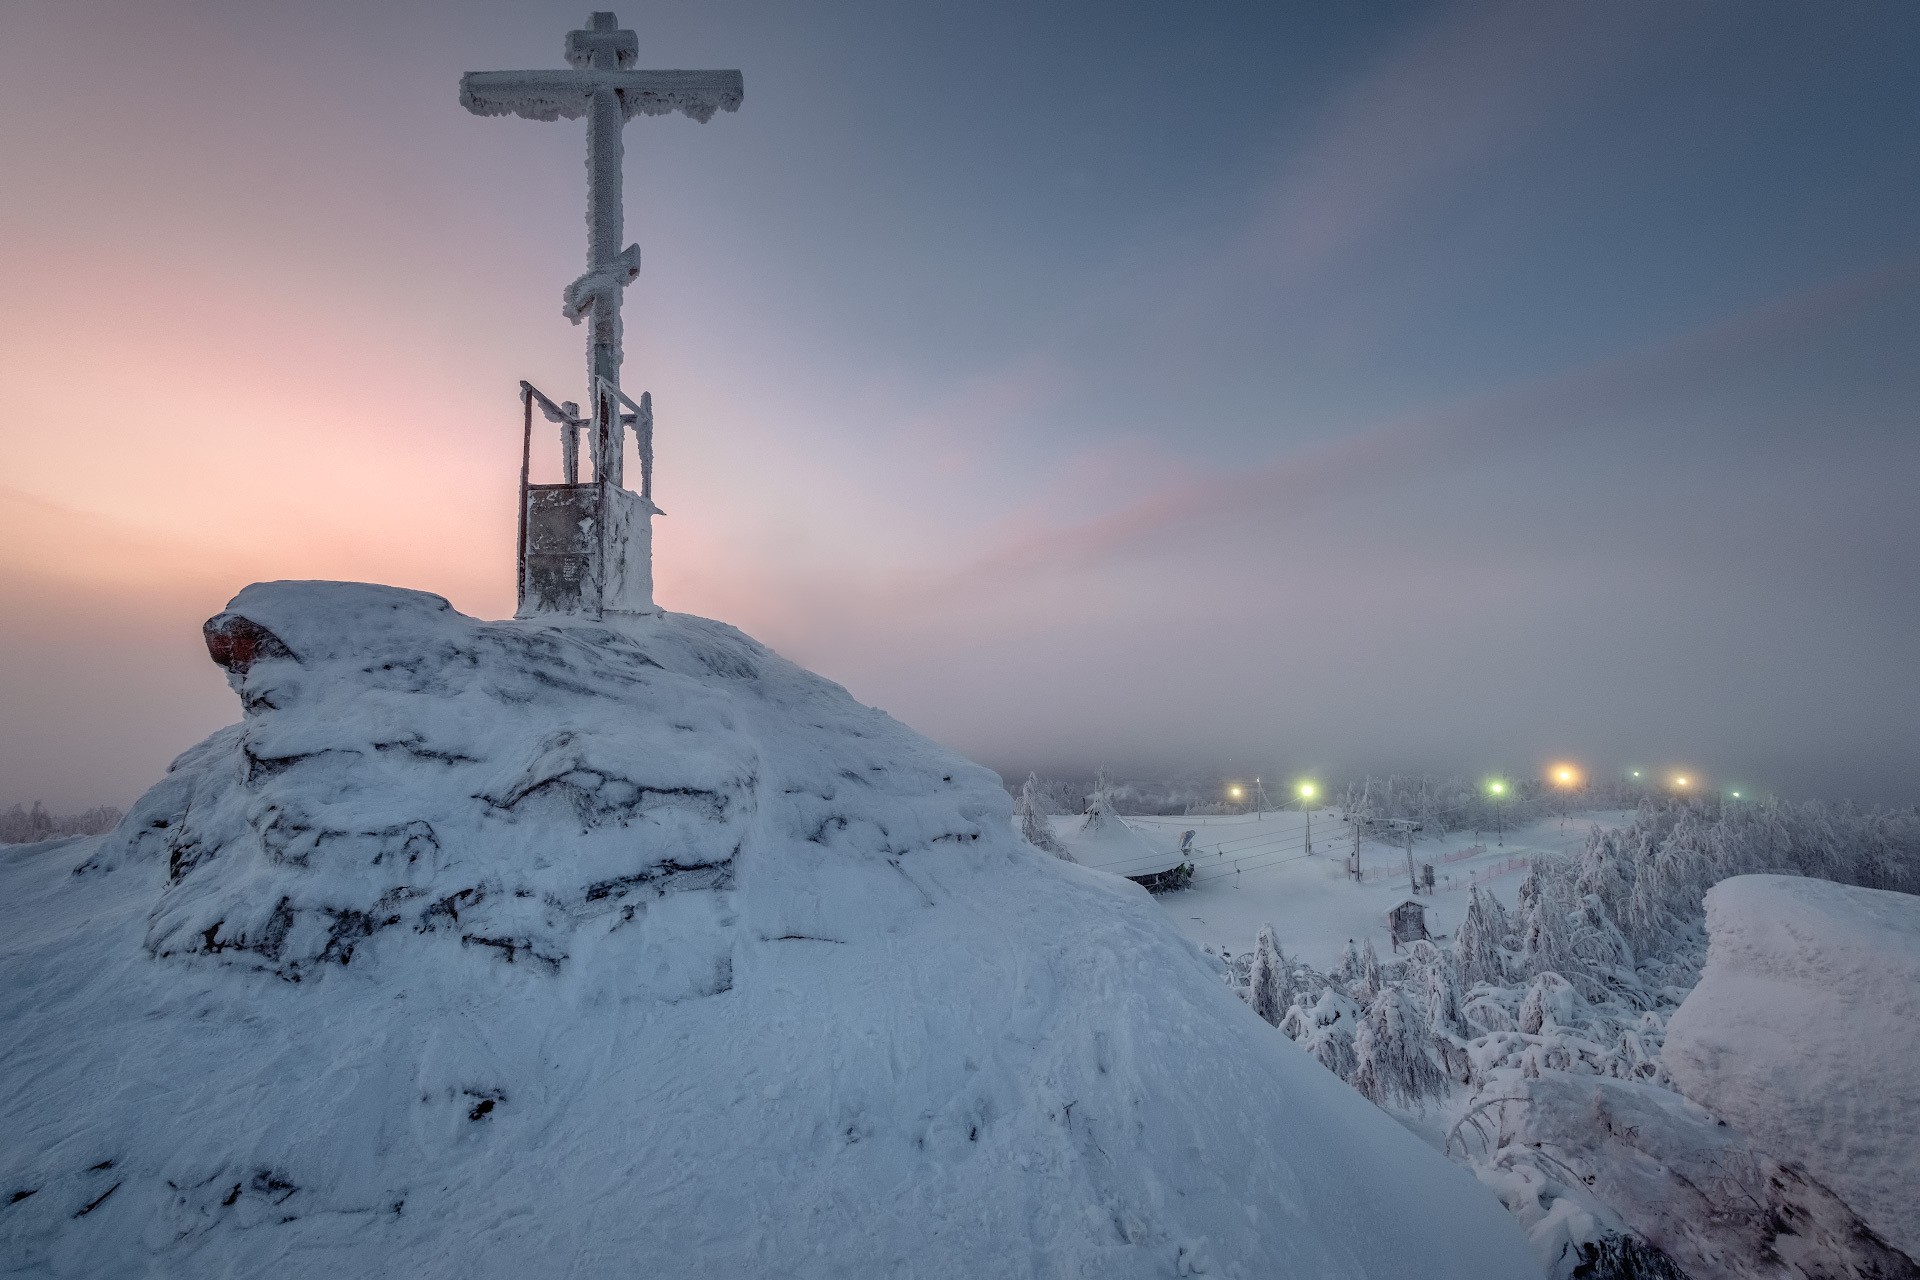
<point x="1653" y="910"/>
<point x="1393" y="1052"/>
<point x="1543" y="920"/>
<point x="1550" y="1001"/>
<point x="1100" y="807"/>
<point x="1325" y="1028"/>
<point x="21" y="825"/>
<point x="1604" y="873"/>
<point x="1371" y="983"/>
<point x="1349" y="971"/>
<point x="1596" y="943"/>
<point x="1476" y="949"/>
<point x="1031" y="809"/>
<point x="1442" y="996"/>
<point x="1270" y="985"/>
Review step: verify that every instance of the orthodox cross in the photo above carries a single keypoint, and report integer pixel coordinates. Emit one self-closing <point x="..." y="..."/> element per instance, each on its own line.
<point x="588" y="548"/>
<point x="601" y="87"/>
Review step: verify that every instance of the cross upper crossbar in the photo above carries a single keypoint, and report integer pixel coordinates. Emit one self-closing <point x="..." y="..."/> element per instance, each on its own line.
<point x="567" y="95"/>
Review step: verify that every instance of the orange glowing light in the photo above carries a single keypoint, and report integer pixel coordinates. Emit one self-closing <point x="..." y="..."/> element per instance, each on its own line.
<point x="1565" y="775"/>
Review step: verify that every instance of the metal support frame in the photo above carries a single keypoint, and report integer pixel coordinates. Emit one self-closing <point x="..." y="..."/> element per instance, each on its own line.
<point x="608" y="398"/>
<point x="609" y="422"/>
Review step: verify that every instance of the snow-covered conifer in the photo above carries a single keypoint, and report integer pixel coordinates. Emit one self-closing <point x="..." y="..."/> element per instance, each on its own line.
<point x="1603" y="873"/>
<point x="1393" y="1052"/>
<point x="1550" y="1001"/>
<point x="1270" y="984"/>
<point x="1371" y="983"/>
<point x="1034" y="827"/>
<point x="1326" y="1030"/>
<point x="1477" y="947"/>
<point x="1349" y="971"/>
<point x="1100" y="808"/>
<point x="1543" y="922"/>
<point x="1502" y="926"/>
<point x="1596" y="942"/>
<point x="1651" y="910"/>
<point x="1443" y="1000"/>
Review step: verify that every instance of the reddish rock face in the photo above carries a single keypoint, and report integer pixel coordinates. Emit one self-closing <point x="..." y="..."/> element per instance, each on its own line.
<point x="236" y="643"/>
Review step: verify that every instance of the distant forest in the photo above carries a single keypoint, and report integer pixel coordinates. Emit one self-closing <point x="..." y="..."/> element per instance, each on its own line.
<point x="23" y="825"/>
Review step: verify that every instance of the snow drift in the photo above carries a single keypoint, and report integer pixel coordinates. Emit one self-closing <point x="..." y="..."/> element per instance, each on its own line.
<point x="510" y="949"/>
<point x="1805" y="1030"/>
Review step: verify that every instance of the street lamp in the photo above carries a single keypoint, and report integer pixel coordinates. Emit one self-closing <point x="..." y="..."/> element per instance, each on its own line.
<point x="1307" y="792"/>
<point x="1497" y="789"/>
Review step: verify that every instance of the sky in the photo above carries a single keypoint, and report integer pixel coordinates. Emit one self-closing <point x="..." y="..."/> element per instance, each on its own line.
<point x="1188" y="390"/>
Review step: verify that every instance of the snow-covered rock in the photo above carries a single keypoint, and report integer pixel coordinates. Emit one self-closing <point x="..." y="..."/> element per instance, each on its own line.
<point x="1616" y="1178"/>
<point x="538" y="948"/>
<point x="1805" y="1032"/>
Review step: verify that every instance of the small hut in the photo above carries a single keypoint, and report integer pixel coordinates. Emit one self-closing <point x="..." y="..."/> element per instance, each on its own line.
<point x="1408" y="923"/>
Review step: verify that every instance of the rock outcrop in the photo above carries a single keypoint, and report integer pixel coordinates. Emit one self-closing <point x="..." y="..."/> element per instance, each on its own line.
<point x="534" y="948"/>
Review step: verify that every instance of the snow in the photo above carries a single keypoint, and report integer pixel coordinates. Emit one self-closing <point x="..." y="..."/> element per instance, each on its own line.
<point x="530" y="948"/>
<point x="1805" y="1031"/>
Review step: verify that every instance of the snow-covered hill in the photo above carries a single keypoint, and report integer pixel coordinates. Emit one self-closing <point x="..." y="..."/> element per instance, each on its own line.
<point x="516" y="949"/>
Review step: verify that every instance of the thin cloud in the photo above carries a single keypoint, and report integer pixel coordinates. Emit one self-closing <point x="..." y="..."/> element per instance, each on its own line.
<point x="1396" y="450"/>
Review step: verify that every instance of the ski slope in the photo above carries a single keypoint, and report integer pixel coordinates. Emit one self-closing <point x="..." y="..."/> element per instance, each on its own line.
<point x="1254" y="869"/>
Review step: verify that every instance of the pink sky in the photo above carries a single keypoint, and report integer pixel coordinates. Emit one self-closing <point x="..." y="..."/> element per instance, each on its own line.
<point x="1317" y="469"/>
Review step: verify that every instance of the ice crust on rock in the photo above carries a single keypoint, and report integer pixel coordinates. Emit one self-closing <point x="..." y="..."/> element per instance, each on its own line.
<point x="506" y="949"/>
<point x="1590" y="1164"/>
<point x="1804" y="1031"/>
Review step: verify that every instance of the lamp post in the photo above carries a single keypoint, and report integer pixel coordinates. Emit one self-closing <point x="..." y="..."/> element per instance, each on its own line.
<point x="1307" y="792"/>
<point x="1497" y="789"/>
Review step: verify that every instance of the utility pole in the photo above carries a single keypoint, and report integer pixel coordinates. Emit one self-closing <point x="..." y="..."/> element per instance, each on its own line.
<point x="1353" y="859"/>
<point x="1498" y="790"/>
<point x="1407" y="828"/>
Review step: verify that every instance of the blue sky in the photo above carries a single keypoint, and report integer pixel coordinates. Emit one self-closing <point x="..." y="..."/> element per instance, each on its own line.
<point x="1178" y="388"/>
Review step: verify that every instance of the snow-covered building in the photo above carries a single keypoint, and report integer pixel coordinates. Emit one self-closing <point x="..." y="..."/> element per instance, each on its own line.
<point x="1407" y="923"/>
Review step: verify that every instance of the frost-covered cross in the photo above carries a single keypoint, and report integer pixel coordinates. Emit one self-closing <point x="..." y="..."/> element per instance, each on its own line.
<point x="601" y="87"/>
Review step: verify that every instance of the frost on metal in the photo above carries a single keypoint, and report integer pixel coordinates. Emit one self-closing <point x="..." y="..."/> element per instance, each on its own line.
<point x="587" y="547"/>
<point x="567" y="95"/>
